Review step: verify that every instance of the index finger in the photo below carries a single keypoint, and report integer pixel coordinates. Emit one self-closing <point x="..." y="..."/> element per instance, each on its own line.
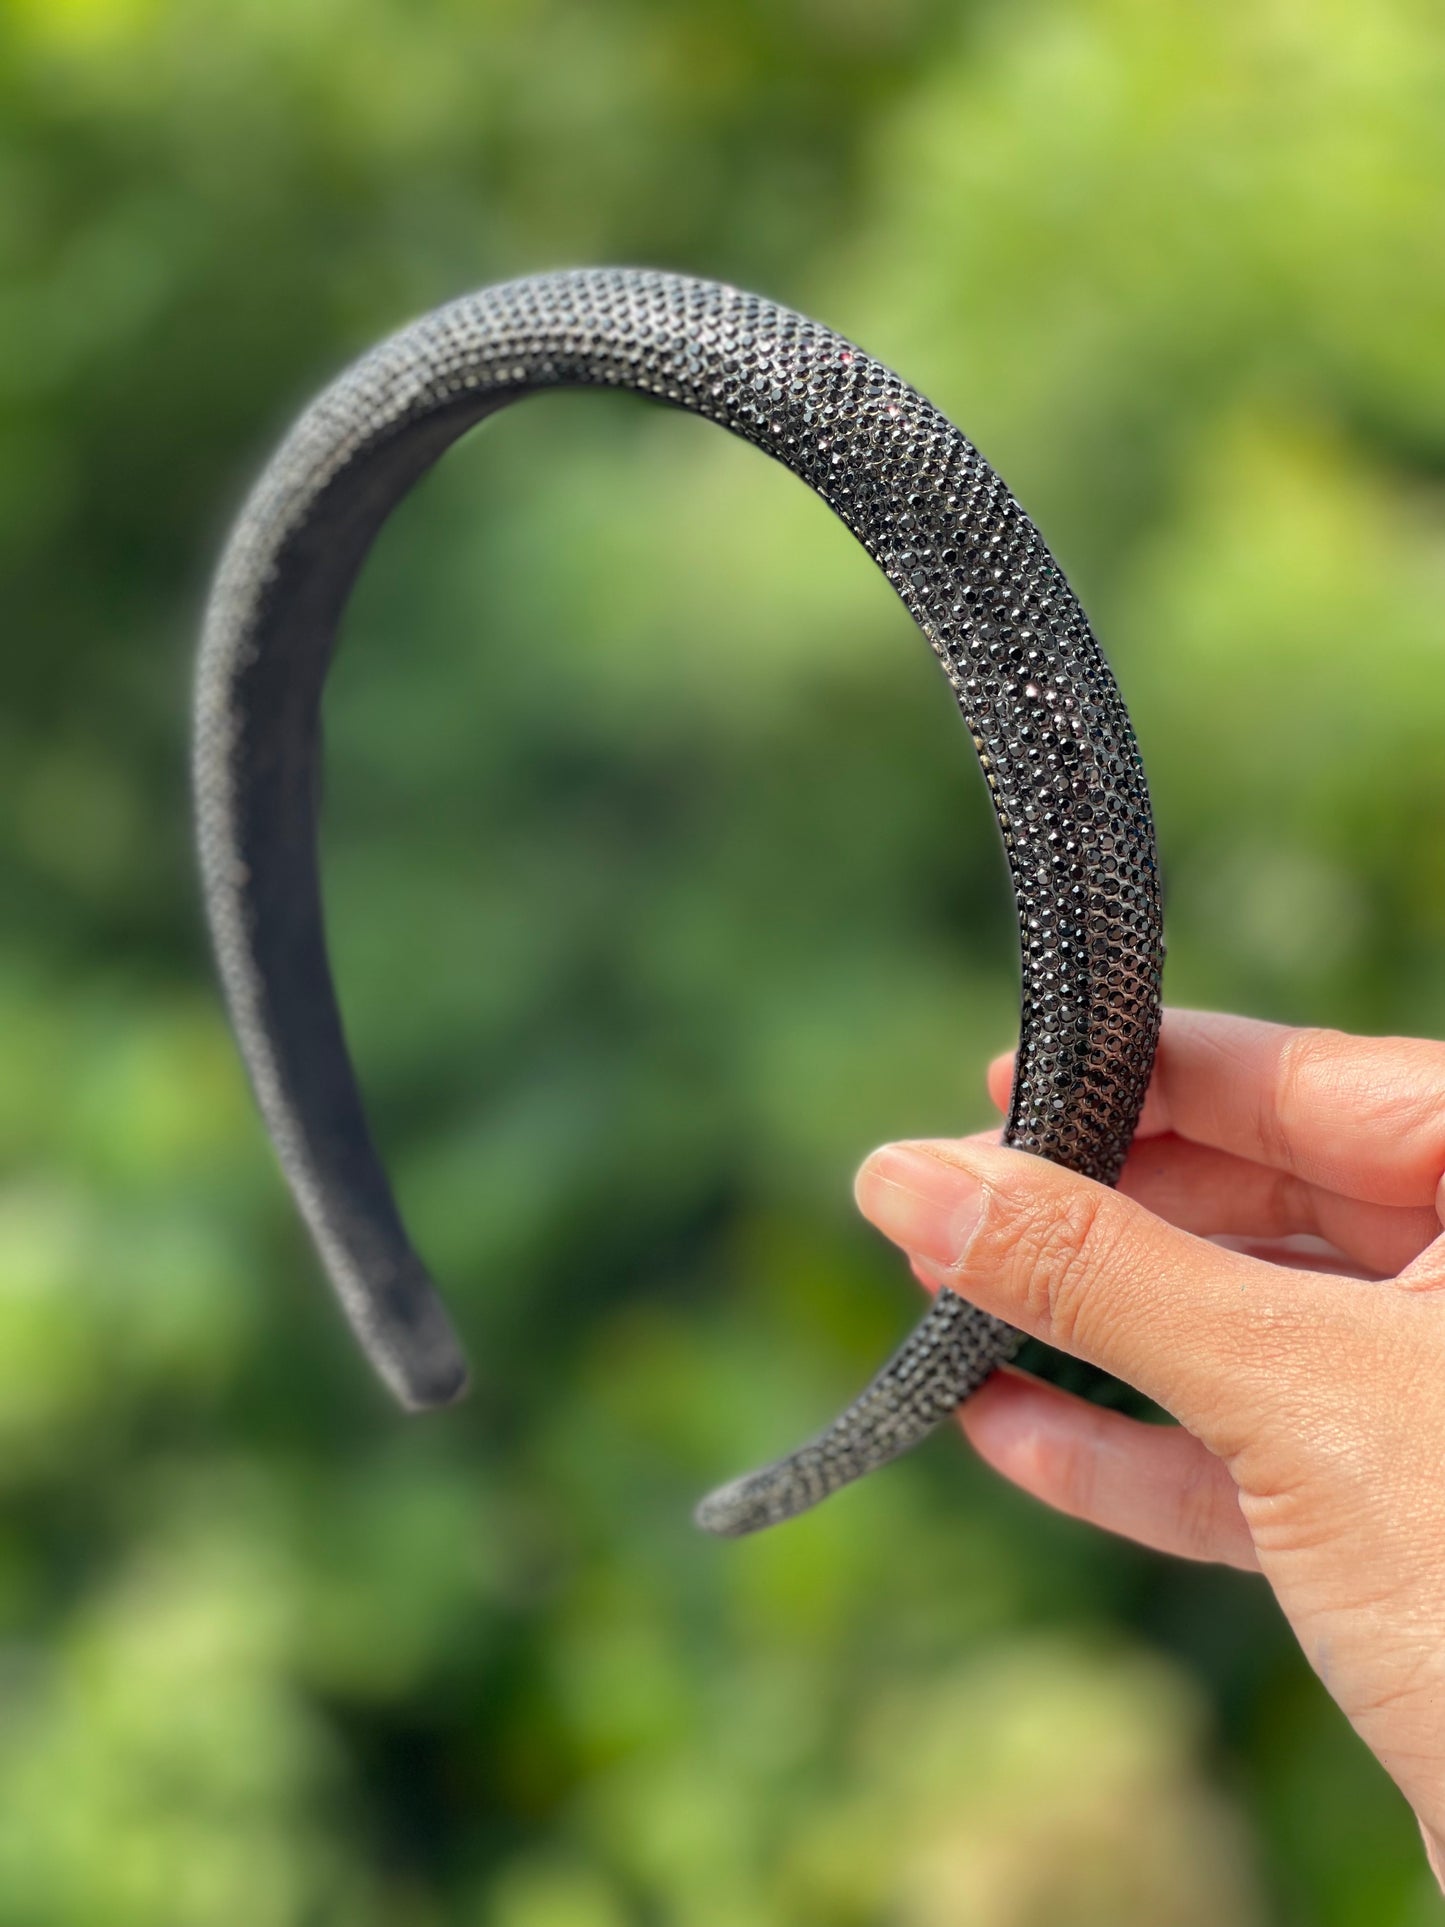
<point x="1361" y="1116"/>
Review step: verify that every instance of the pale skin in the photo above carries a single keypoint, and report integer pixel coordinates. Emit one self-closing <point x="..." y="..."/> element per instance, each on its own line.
<point x="1309" y="1382"/>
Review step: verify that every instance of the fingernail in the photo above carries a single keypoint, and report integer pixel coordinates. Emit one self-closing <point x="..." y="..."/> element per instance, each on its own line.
<point x="921" y="1200"/>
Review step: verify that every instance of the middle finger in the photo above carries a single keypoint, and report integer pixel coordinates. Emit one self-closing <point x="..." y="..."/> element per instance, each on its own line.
<point x="1213" y="1193"/>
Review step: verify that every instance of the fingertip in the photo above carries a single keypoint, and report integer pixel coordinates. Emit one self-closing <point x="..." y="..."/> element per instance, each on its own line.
<point x="1000" y="1077"/>
<point x="860" y="1178"/>
<point x="871" y="1171"/>
<point x="1037" y="1438"/>
<point x="1008" y="1420"/>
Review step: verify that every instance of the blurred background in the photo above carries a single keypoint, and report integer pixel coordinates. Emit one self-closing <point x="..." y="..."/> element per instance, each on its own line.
<point x="663" y="886"/>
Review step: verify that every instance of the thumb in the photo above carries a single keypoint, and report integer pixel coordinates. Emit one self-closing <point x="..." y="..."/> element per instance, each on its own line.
<point x="1211" y="1334"/>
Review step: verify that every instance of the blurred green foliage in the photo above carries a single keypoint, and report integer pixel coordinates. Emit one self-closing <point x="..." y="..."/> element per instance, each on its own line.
<point x="662" y="886"/>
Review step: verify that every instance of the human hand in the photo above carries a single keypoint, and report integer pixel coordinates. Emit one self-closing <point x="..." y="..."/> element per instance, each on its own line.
<point x="1309" y="1382"/>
